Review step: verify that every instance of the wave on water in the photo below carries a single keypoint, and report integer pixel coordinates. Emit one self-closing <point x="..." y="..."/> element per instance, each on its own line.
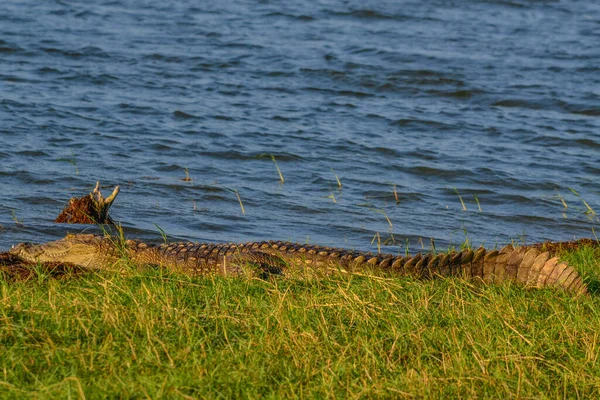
<point x="330" y="122"/>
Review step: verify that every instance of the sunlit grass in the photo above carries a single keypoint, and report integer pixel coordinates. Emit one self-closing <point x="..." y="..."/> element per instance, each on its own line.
<point x="72" y="161"/>
<point x="281" y="180"/>
<point x="157" y="334"/>
<point x="187" y="175"/>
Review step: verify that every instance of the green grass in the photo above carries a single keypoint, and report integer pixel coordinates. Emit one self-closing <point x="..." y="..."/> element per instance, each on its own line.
<point x="155" y="334"/>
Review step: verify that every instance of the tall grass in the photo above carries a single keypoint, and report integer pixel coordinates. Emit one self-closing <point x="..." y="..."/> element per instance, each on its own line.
<point x="157" y="334"/>
<point x="72" y="161"/>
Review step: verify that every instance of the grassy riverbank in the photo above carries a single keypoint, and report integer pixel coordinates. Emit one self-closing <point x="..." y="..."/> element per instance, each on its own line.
<point x="153" y="334"/>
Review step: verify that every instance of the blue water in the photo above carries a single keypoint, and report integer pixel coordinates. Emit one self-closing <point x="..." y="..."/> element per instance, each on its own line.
<point x="496" y="102"/>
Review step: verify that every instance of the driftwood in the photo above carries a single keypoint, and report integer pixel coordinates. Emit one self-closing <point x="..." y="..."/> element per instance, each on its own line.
<point x="558" y="247"/>
<point x="90" y="209"/>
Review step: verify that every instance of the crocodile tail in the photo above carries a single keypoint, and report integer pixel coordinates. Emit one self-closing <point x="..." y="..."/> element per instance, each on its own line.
<point x="527" y="266"/>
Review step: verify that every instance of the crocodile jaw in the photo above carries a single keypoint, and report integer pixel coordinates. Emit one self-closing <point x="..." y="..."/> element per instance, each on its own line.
<point x="83" y="250"/>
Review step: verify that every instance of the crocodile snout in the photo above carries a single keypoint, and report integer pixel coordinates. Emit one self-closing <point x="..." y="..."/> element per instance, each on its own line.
<point x="25" y="250"/>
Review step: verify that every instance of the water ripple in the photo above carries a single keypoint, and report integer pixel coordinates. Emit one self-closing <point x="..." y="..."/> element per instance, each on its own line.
<point x="382" y="117"/>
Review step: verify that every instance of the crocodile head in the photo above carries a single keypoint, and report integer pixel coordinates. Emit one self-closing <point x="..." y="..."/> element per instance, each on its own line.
<point x="86" y="250"/>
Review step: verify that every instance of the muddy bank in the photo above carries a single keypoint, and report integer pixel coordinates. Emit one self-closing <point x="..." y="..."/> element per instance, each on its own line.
<point x="15" y="269"/>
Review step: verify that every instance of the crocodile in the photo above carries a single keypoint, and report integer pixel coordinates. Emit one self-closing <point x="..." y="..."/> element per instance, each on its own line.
<point x="526" y="265"/>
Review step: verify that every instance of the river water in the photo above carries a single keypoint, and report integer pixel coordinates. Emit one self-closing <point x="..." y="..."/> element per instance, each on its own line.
<point x="416" y="107"/>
